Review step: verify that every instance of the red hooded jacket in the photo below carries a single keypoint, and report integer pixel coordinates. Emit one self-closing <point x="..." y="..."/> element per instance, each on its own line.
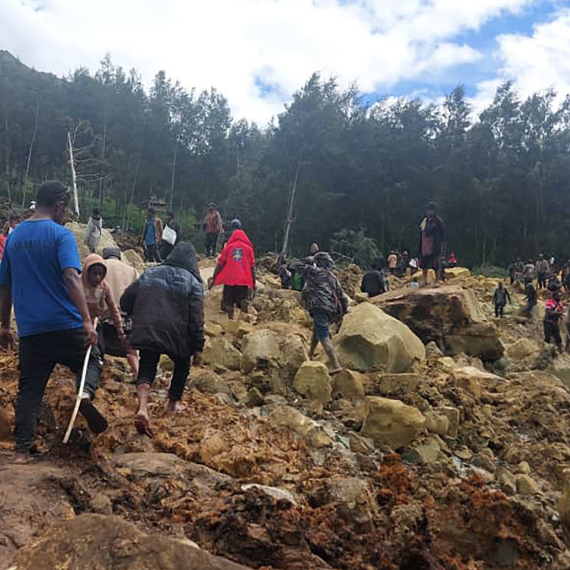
<point x="236" y="260"/>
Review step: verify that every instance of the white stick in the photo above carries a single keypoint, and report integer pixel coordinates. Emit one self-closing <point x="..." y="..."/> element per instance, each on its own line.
<point x="80" y="392"/>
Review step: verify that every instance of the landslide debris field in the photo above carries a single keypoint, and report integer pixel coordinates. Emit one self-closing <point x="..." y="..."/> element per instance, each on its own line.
<point x="445" y="445"/>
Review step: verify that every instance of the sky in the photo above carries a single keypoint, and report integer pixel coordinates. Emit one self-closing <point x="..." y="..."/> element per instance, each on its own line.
<point x="257" y="53"/>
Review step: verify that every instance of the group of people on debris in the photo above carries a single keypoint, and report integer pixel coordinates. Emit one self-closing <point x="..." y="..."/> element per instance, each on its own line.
<point x="545" y="273"/>
<point x="62" y="307"/>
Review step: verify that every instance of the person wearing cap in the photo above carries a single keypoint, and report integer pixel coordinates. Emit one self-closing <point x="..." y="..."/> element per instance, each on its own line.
<point x="432" y="233"/>
<point x="213" y="226"/>
<point x="119" y="276"/>
<point x="40" y="277"/>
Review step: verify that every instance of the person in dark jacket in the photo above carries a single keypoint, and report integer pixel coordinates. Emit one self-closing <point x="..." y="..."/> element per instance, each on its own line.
<point x="432" y="233"/>
<point x="373" y="282"/>
<point x="167" y="247"/>
<point x="531" y="298"/>
<point x="326" y="302"/>
<point x="552" y="316"/>
<point x="500" y="298"/>
<point x="167" y="308"/>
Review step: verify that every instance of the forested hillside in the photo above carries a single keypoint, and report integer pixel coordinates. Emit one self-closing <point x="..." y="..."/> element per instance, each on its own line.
<point x="502" y="181"/>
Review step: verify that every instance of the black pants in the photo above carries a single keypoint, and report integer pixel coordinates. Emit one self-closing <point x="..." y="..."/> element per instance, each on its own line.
<point x="38" y="356"/>
<point x="151" y="253"/>
<point x="499" y="309"/>
<point x="211" y="244"/>
<point x="542" y="280"/>
<point x="165" y="249"/>
<point x="552" y="332"/>
<point x="148" y="364"/>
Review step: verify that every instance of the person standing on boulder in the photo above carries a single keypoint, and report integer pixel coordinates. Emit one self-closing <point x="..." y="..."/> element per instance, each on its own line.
<point x="152" y="236"/>
<point x="500" y="298"/>
<point x="542" y="271"/>
<point x="213" y="226"/>
<point x="40" y="276"/>
<point x="552" y="316"/>
<point x="167" y="308"/>
<point x="326" y="302"/>
<point x="94" y="231"/>
<point x="432" y="233"/>
<point x="236" y="272"/>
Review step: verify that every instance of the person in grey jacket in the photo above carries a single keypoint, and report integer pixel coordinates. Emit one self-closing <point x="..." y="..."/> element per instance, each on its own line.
<point x="94" y="231"/>
<point x="167" y="308"/>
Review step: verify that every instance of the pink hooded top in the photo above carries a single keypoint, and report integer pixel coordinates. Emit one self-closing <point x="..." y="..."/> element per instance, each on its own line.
<point x="236" y="261"/>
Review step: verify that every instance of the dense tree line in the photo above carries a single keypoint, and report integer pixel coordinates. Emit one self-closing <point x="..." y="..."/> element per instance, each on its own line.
<point x="501" y="180"/>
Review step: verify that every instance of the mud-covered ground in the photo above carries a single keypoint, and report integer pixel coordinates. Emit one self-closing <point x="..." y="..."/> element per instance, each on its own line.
<point x="226" y="476"/>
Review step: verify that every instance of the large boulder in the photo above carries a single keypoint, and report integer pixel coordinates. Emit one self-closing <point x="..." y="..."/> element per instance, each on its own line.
<point x="134" y="260"/>
<point x="98" y="542"/>
<point x="370" y="339"/>
<point x="265" y="349"/>
<point x="391" y="422"/>
<point x="286" y="417"/>
<point x="220" y="351"/>
<point x="313" y="381"/>
<point x="450" y="316"/>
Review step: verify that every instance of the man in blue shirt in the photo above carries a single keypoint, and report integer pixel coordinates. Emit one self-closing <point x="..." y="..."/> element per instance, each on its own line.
<point x="152" y="236"/>
<point x="40" y="276"/>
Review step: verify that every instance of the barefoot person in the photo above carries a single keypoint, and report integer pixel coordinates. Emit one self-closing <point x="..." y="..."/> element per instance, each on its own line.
<point x="167" y="307"/>
<point x="40" y="275"/>
<point x="326" y="302"/>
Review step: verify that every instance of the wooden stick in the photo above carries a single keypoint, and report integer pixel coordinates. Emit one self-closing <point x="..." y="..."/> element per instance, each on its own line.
<point x="80" y="392"/>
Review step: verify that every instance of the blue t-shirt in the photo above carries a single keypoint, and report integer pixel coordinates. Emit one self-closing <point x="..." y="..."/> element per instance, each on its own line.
<point x="150" y="236"/>
<point x="35" y="255"/>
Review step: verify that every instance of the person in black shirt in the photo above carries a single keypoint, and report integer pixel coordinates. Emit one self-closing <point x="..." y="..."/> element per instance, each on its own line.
<point x="373" y="282"/>
<point x="500" y="298"/>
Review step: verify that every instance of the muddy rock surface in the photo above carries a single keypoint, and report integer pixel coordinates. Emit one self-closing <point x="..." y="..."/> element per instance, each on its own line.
<point x="450" y="460"/>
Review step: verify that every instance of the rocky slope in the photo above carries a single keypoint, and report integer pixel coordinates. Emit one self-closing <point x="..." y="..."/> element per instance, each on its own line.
<point x="420" y="455"/>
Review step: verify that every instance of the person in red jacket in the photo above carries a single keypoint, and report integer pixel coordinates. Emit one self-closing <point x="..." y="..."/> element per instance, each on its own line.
<point x="236" y="272"/>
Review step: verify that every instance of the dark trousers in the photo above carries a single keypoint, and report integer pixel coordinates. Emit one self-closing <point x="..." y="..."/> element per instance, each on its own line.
<point x="499" y="309"/>
<point x="211" y="244"/>
<point x="151" y="253"/>
<point x="552" y="332"/>
<point x="165" y="249"/>
<point x="542" y="280"/>
<point x="148" y="364"/>
<point x="38" y="356"/>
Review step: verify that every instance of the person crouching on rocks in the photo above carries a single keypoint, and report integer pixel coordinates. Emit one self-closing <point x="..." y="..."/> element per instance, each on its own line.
<point x="167" y="308"/>
<point x="326" y="302"/>
<point x="552" y="316"/>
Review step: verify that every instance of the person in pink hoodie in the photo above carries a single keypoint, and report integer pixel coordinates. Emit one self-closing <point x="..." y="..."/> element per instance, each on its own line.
<point x="236" y="271"/>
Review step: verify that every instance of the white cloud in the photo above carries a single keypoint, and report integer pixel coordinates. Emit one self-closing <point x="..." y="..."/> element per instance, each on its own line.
<point x="535" y="62"/>
<point x="234" y="44"/>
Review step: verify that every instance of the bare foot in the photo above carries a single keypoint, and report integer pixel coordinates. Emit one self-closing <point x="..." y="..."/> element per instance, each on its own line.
<point x="142" y="423"/>
<point x="174" y="407"/>
<point x="335" y="371"/>
<point x="21" y="459"/>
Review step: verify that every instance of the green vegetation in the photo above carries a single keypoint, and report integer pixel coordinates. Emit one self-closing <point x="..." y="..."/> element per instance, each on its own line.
<point x="502" y="181"/>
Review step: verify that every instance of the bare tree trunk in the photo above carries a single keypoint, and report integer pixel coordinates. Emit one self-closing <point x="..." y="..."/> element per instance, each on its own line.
<point x="26" y="176"/>
<point x="173" y="172"/>
<point x="103" y="148"/>
<point x="290" y="213"/>
<point x="8" y="173"/>
<point x="73" y="176"/>
<point x="126" y="220"/>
